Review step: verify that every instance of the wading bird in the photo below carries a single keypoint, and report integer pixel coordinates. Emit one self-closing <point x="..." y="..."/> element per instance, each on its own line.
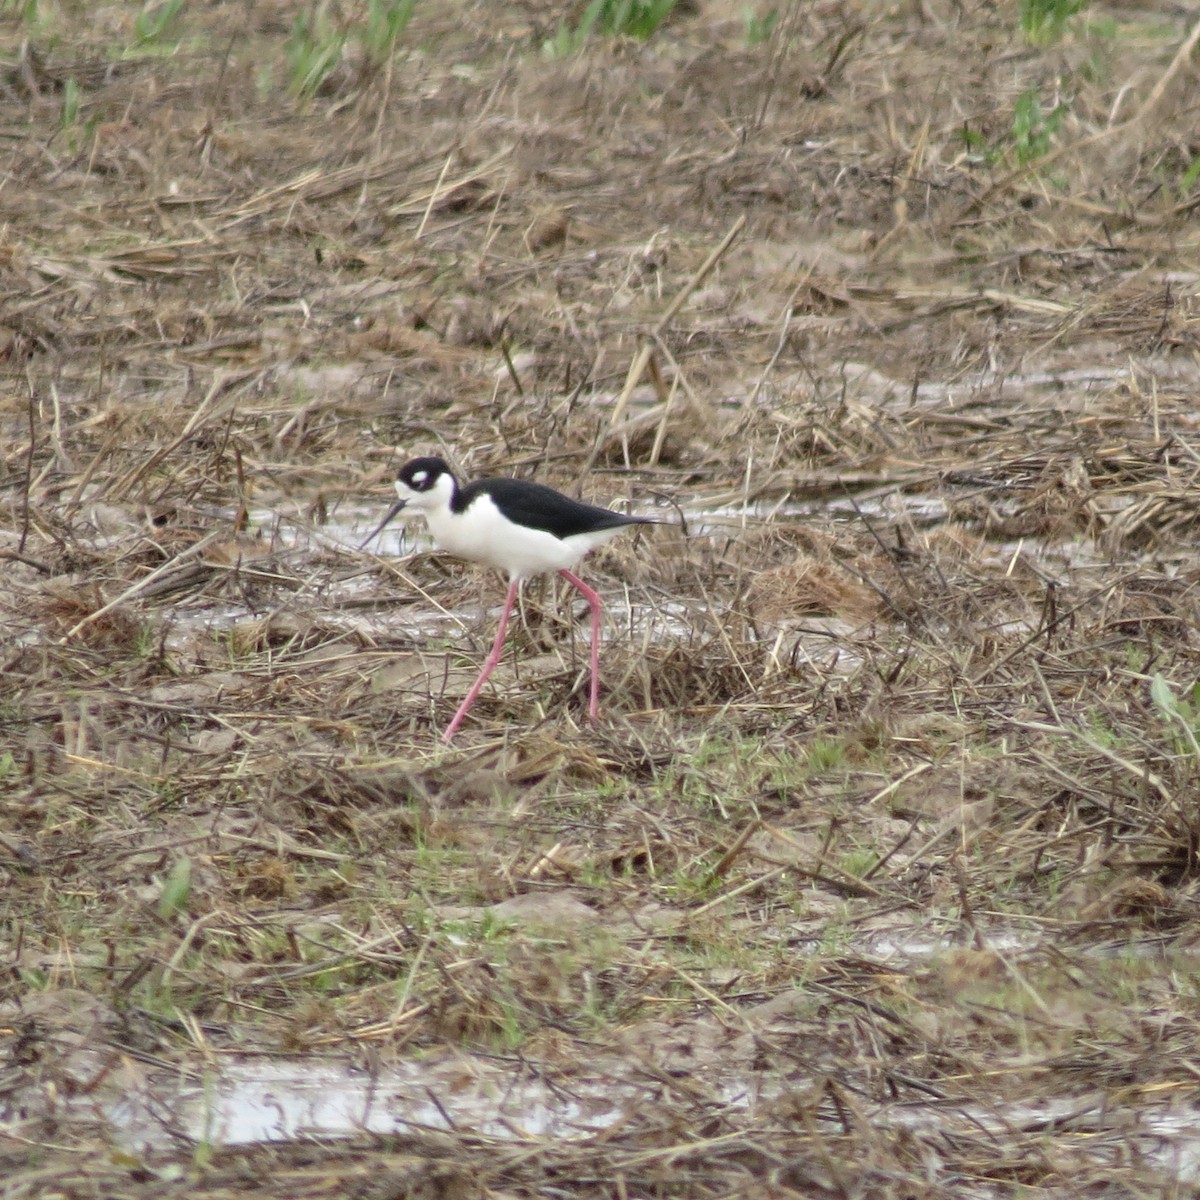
<point x="518" y="527"/>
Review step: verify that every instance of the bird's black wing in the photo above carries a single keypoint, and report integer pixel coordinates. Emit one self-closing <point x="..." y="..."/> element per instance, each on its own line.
<point x="539" y="507"/>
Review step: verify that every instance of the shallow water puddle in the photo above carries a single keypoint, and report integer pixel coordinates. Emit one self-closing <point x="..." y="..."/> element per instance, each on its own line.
<point x="911" y="947"/>
<point x="916" y="948"/>
<point x="260" y="1100"/>
<point x="346" y="528"/>
<point x="356" y="602"/>
<point x="374" y="622"/>
<point x="1169" y="1139"/>
<point x="272" y="1100"/>
<point x="343" y="528"/>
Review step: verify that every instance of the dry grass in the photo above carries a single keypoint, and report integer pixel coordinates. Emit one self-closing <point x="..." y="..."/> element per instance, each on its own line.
<point x="915" y="670"/>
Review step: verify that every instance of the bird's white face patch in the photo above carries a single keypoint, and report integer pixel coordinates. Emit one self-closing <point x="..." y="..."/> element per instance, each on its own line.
<point x="426" y="490"/>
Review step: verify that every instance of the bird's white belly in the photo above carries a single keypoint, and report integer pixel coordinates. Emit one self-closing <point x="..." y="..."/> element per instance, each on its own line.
<point x="483" y="535"/>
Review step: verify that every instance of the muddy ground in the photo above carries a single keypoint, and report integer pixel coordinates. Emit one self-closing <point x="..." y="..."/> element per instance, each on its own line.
<point x="877" y="876"/>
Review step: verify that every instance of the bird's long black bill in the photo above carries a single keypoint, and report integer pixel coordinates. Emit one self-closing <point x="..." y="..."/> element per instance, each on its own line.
<point x="383" y="524"/>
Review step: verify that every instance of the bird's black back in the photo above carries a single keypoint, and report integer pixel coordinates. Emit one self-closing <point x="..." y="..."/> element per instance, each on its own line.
<point x="537" y="506"/>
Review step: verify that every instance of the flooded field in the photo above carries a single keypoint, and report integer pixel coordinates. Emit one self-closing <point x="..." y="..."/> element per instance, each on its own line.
<point x="876" y="877"/>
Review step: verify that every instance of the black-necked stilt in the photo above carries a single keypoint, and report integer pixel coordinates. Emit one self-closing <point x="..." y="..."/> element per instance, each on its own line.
<point x="518" y="527"/>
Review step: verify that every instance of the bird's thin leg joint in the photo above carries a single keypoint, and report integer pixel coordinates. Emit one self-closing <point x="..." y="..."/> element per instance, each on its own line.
<point x="593" y="599"/>
<point x="489" y="666"/>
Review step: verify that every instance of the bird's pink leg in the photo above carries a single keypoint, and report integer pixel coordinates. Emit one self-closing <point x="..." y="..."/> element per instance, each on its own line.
<point x="593" y="599"/>
<point x="489" y="666"/>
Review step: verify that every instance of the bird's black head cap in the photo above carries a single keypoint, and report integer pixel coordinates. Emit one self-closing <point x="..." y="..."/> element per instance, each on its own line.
<point x="421" y="474"/>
